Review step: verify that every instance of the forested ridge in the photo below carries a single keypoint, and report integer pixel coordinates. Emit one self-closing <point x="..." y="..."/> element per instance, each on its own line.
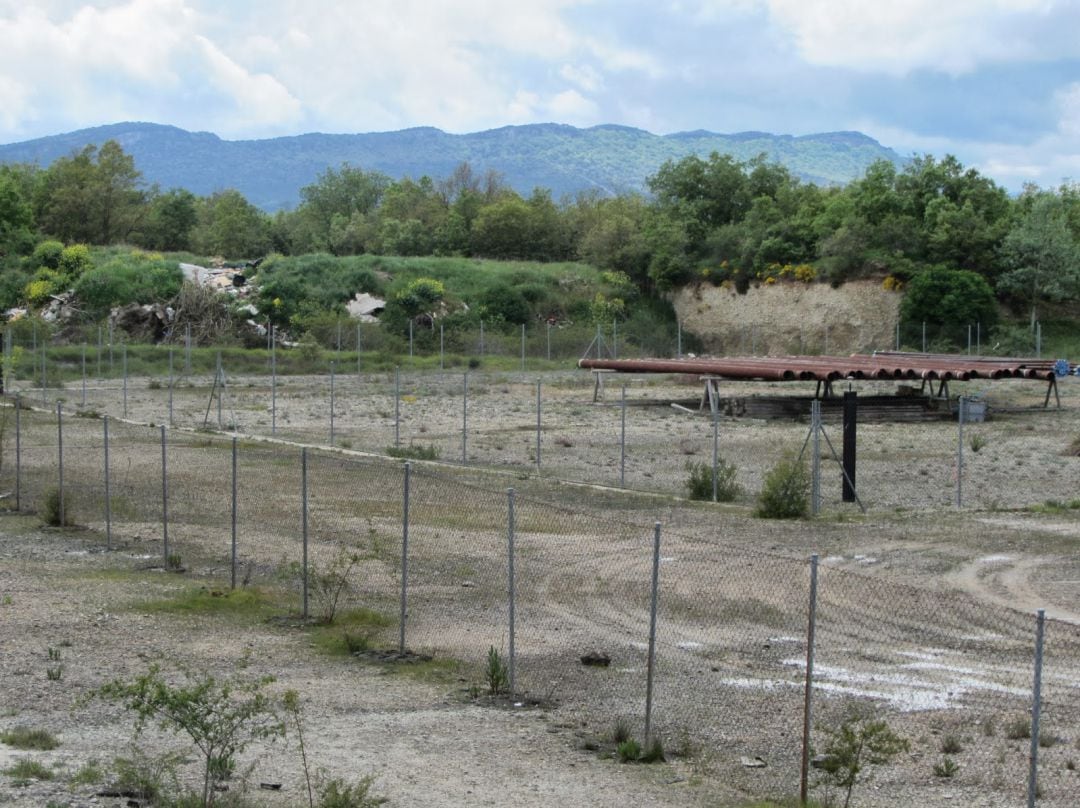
<point x="953" y="239"/>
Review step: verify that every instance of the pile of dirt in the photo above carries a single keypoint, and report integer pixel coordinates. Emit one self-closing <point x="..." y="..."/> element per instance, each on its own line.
<point x="790" y="318"/>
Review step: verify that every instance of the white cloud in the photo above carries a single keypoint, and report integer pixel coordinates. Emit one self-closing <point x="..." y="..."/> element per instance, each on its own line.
<point x="1068" y="99"/>
<point x="570" y="106"/>
<point x="260" y="99"/>
<point x="898" y="36"/>
<point x="584" y="76"/>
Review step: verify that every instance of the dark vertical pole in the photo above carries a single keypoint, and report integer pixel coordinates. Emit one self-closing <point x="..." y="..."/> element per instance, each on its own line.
<point x="1036" y="705"/>
<point x="851" y="408"/>
<point x="651" y="662"/>
<point x="511" y="588"/>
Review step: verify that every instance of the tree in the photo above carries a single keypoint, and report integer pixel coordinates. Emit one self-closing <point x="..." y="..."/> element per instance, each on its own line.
<point x="94" y="196"/>
<point x="951" y="299"/>
<point x="231" y="226"/>
<point x="338" y="195"/>
<point x="1041" y="253"/>
<point x="220" y="717"/>
<point x="16" y="214"/>
<point x="170" y="220"/>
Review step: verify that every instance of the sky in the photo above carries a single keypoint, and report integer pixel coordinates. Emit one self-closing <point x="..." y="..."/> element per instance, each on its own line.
<point x="994" y="82"/>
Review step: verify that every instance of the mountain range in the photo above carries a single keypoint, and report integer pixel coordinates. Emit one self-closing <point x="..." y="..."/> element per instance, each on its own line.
<point x="564" y="159"/>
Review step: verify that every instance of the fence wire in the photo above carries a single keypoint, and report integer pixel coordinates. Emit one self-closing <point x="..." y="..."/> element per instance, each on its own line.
<point x="731" y="644"/>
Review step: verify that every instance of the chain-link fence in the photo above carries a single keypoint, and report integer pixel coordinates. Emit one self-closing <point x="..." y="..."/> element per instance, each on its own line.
<point x="713" y="655"/>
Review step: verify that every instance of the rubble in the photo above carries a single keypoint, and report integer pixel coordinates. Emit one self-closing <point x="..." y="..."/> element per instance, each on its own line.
<point x="365" y="308"/>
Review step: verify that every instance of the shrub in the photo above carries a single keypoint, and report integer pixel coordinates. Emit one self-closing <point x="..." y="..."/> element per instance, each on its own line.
<point x="25" y="769"/>
<point x="1017" y="728"/>
<point x="786" y="492"/>
<point x="946" y="768"/>
<point x="414" y="452"/>
<point x="950" y="299"/>
<point x="700" y="481"/>
<point x="628" y="751"/>
<point x="51" y="509"/>
<point x="857" y="741"/>
<point x="496" y="674"/>
<point x="950" y="745"/>
<point x="21" y="737"/>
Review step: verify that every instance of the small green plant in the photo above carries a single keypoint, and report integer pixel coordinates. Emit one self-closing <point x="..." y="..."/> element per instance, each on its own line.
<point x="174" y="563"/>
<point x="54" y="673"/>
<point x="221" y="718"/>
<point x="621" y="732"/>
<point x="1047" y="739"/>
<point x="89" y="773"/>
<point x="329" y="582"/>
<point x="700" y="481"/>
<point x="857" y="741"/>
<point x="153" y="384"/>
<point x="1017" y="728"/>
<point x="356" y="643"/>
<point x="628" y="751"/>
<point x="496" y="674"/>
<point x="654" y="752"/>
<point x="414" y="452"/>
<point x="54" y="654"/>
<point x="146" y="776"/>
<point x="977" y="441"/>
<point x="28" y="738"/>
<point x="54" y="513"/>
<point x="336" y="793"/>
<point x="988" y="726"/>
<point x="946" y="768"/>
<point x="950" y="745"/>
<point x="786" y="492"/>
<point x="24" y="769"/>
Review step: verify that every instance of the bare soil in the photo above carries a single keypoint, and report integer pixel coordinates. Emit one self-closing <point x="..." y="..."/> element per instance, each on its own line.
<point x="926" y="609"/>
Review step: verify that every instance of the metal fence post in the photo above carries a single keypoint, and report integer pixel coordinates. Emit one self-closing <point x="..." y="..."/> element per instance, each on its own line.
<point x="187" y="349"/>
<point x="304" y="523"/>
<point x="651" y="663"/>
<point x="961" y="412"/>
<point x="510" y="583"/>
<point x="219" y="386"/>
<point x="614" y="339"/>
<point x="678" y="339"/>
<point x="60" y="457"/>
<point x="397" y="407"/>
<point x="465" y="419"/>
<point x="442" y="347"/>
<point x="232" y="577"/>
<point x="359" y="367"/>
<point x="108" y="491"/>
<point x="44" y="377"/>
<point x="715" y="407"/>
<point x="811" y="628"/>
<point x="331" y="403"/>
<point x="123" y="354"/>
<point x="273" y="381"/>
<point x="549" y="342"/>
<point x="539" y="413"/>
<point x="523" y="347"/>
<point x="404" y="558"/>
<point x="18" y="452"/>
<point x="410" y="338"/>
<point x="100" y="348"/>
<point x="164" y="500"/>
<point x="481" y="338"/>
<point x="1036" y="708"/>
<point x="622" y="439"/>
<point x="172" y="383"/>
<point x="83" y="404"/>
<point x="815" y="458"/>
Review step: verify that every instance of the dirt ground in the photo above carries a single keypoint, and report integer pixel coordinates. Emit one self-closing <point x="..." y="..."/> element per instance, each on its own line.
<point x="926" y="610"/>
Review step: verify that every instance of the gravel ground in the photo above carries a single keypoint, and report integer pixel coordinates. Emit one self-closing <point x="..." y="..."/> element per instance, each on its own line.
<point x="925" y="612"/>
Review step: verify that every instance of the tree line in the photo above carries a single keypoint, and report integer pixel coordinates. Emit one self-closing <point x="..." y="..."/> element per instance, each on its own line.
<point x="954" y="238"/>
